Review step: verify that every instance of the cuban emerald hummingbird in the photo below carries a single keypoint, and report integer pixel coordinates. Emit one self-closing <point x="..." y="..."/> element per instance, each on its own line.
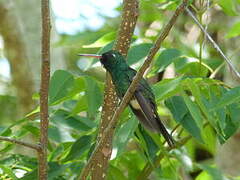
<point x="143" y="102"/>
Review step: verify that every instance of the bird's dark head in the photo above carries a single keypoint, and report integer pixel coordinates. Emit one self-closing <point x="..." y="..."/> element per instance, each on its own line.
<point x="110" y="60"/>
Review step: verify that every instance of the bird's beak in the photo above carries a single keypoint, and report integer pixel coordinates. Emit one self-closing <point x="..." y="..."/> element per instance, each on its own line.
<point x="91" y="55"/>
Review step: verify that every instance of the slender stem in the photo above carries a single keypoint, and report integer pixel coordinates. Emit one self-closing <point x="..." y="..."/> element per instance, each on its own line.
<point x="215" y="45"/>
<point x="15" y="141"/>
<point x="200" y="45"/>
<point x="134" y="83"/>
<point x="45" y="75"/>
<point x="214" y="73"/>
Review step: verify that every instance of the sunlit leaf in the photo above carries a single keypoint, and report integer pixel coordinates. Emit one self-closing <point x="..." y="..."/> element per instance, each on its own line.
<point x="212" y="171"/>
<point x="234" y="31"/>
<point x="102" y="41"/>
<point x="228" y="7"/>
<point x="167" y="88"/>
<point x="195" y="69"/>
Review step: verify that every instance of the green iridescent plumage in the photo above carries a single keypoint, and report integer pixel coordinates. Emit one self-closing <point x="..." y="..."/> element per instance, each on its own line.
<point x="143" y="102"/>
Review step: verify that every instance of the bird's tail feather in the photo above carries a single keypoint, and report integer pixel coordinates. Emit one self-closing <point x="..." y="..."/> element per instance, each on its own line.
<point x="165" y="133"/>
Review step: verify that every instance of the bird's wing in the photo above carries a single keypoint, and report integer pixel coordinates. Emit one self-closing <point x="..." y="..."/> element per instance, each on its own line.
<point x="143" y="106"/>
<point x="151" y="116"/>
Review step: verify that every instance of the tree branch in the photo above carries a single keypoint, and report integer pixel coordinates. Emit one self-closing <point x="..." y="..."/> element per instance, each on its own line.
<point x="99" y="165"/>
<point x="15" y="141"/>
<point x="133" y="85"/>
<point x="215" y="45"/>
<point x="45" y="75"/>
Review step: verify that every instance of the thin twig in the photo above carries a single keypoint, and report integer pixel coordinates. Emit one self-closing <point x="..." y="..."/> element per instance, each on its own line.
<point x="99" y="167"/>
<point x="45" y="75"/>
<point x="135" y="81"/>
<point x="15" y="141"/>
<point x="215" y="45"/>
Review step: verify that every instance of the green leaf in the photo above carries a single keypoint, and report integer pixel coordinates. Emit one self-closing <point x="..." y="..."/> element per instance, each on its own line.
<point x="231" y="96"/>
<point x="234" y="31"/>
<point x="59" y="134"/>
<point x="65" y="119"/>
<point x="56" y="153"/>
<point x="204" y="176"/>
<point x="32" y="129"/>
<point x="183" y="116"/>
<point x="123" y="134"/>
<point x="194" y="110"/>
<point x="138" y="52"/>
<point x="78" y="86"/>
<point x="212" y="171"/>
<point x="167" y="88"/>
<point x="5" y="131"/>
<point x="195" y="69"/>
<point x="60" y="85"/>
<point x="151" y="146"/>
<point x="102" y="41"/>
<point x="198" y="90"/>
<point x="55" y="170"/>
<point x="114" y="173"/>
<point x="80" y="106"/>
<point x="228" y="7"/>
<point x="234" y="110"/>
<point x="23" y="161"/>
<point x="106" y="48"/>
<point x="78" y="148"/>
<point x="231" y="122"/>
<point x="166" y="57"/>
<point x="94" y="96"/>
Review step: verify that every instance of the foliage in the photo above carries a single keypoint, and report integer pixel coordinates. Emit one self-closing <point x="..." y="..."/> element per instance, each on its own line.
<point x="205" y="108"/>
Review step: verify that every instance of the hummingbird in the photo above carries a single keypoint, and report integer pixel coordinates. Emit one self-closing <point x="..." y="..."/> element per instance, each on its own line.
<point x="143" y="103"/>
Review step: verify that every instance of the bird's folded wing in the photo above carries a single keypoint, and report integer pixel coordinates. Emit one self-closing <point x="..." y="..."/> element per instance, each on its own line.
<point x="151" y="116"/>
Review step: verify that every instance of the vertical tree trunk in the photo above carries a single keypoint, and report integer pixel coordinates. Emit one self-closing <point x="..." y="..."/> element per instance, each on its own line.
<point x="15" y="51"/>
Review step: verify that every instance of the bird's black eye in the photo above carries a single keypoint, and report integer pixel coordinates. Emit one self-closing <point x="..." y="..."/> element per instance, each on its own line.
<point x="111" y="56"/>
